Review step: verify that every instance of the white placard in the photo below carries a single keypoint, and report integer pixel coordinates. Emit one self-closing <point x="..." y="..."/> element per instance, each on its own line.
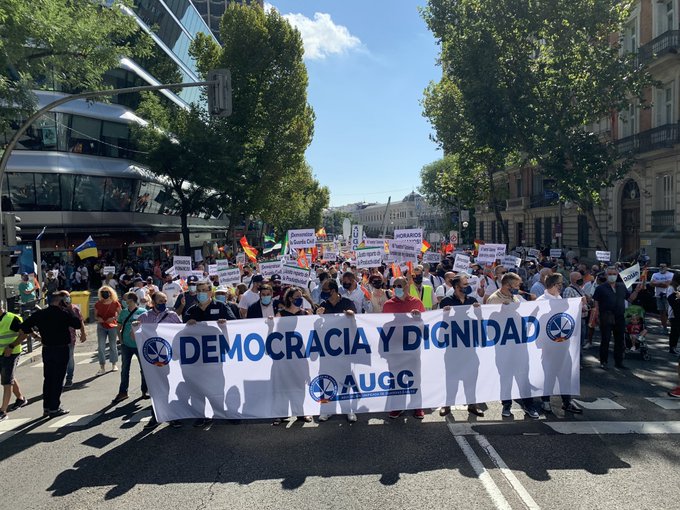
<point x="302" y="238"/>
<point x="511" y="261"/>
<point x="198" y="255"/>
<point x="240" y="258"/>
<point x="404" y="252"/>
<point x="555" y="253"/>
<point x="222" y="265"/>
<point x="409" y="236"/>
<point x="603" y="256"/>
<point x="295" y="275"/>
<point x="182" y="265"/>
<point x="206" y="361"/>
<point x="533" y="252"/>
<point x="369" y="257"/>
<point x="431" y="257"/>
<point x="109" y="270"/>
<point x="197" y="274"/>
<point x="374" y="242"/>
<point x="212" y="269"/>
<point x="631" y="275"/>
<point x="356" y="237"/>
<point x="461" y="264"/>
<point x="171" y="271"/>
<point x="269" y="269"/>
<point x="500" y="249"/>
<point x="230" y="276"/>
<point x="487" y="254"/>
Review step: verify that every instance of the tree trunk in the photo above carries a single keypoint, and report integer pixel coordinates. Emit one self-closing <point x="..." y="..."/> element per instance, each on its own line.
<point x="184" y="215"/>
<point x="495" y="204"/>
<point x="592" y="221"/>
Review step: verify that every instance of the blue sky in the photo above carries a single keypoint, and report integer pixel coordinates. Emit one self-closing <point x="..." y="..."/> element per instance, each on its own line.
<point x="368" y="62"/>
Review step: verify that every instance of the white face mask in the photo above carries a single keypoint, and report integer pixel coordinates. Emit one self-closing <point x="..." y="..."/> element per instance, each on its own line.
<point x="611" y="278"/>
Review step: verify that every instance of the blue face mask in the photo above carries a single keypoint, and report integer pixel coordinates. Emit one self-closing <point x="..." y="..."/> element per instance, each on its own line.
<point x="399" y="292"/>
<point x="266" y="300"/>
<point x="161" y="307"/>
<point x="467" y="290"/>
<point x="221" y="298"/>
<point x="203" y="297"/>
<point x="325" y="295"/>
<point x="514" y="292"/>
<point x="298" y="302"/>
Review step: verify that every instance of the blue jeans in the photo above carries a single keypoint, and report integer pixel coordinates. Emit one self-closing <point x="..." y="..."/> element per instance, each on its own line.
<point x="102" y="335"/>
<point x="127" y="353"/>
<point x="71" y="363"/>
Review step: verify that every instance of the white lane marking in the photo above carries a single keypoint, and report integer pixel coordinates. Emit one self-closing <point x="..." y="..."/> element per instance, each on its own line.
<point x="11" y="424"/>
<point x="462" y="428"/>
<point x="73" y="420"/>
<point x="668" y="403"/>
<point x="600" y="404"/>
<point x="490" y="486"/>
<point x="507" y="473"/>
<point x="87" y="362"/>
<point x="615" y="427"/>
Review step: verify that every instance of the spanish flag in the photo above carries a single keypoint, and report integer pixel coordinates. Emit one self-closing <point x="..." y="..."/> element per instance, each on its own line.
<point x="87" y="249"/>
<point x="425" y="246"/>
<point x="250" y="252"/>
<point x="321" y="232"/>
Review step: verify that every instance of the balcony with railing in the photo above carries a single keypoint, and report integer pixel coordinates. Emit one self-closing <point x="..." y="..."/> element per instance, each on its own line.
<point x="665" y="44"/>
<point x="663" y="221"/>
<point x="517" y="203"/>
<point x="545" y="199"/>
<point x="662" y="137"/>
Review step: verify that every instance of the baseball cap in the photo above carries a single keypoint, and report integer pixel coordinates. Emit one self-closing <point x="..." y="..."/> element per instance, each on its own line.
<point x="192" y="279"/>
<point x="137" y="280"/>
<point x="275" y="278"/>
<point x="257" y="278"/>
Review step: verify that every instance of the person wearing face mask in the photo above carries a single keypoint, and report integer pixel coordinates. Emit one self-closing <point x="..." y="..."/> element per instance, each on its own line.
<point x="351" y="290"/>
<point x="419" y="289"/>
<point x="70" y="368"/>
<point x="206" y="308"/>
<point x="661" y="281"/>
<point x="292" y="303"/>
<point x="379" y="295"/>
<point x="126" y="318"/>
<point x="26" y="290"/>
<point x="461" y="296"/>
<point x="263" y="307"/>
<point x="444" y="289"/>
<point x="403" y="302"/>
<point x="247" y="275"/>
<point x="53" y="323"/>
<point x="188" y="298"/>
<point x="488" y="286"/>
<point x="251" y="296"/>
<point x="610" y="303"/>
<point x="316" y="293"/>
<point x="106" y="311"/>
<point x="575" y="290"/>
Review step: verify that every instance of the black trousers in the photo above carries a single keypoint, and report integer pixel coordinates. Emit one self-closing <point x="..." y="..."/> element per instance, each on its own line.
<point x="606" y="330"/>
<point x="675" y="332"/>
<point x="55" y="361"/>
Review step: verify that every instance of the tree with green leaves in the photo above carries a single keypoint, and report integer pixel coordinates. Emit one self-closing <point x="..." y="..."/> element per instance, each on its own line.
<point x="450" y="184"/>
<point x="272" y="123"/>
<point x="526" y="76"/>
<point x="332" y="221"/>
<point x="63" y="45"/>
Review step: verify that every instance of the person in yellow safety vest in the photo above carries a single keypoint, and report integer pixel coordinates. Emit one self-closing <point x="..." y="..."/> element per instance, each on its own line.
<point x="419" y="290"/>
<point x="10" y="349"/>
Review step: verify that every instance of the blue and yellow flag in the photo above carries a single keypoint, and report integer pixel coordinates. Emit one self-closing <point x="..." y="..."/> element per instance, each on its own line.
<point x="87" y="249"/>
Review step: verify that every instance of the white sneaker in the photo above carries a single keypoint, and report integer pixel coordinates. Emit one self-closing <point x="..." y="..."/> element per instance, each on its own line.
<point x="101" y="371"/>
<point x="351" y="417"/>
<point x="114" y="368"/>
<point x="546" y="407"/>
<point x="324" y="417"/>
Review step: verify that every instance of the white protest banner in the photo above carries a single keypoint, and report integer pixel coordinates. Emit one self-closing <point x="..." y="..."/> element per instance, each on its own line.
<point x="197" y="274"/>
<point x="431" y="257"/>
<point x="171" y="271"/>
<point x="212" y="269"/>
<point x="295" y="275"/>
<point x="222" y="265"/>
<point x="269" y="269"/>
<point x="374" y="242"/>
<point x="303" y="238"/>
<point x="333" y="364"/>
<point x="182" y="265"/>
<point x="511" y="261"/>
<point x="369" y="257"/>
<point x="240" y="258"/>
<point x="603" y="256"/>
<point x="230" y="276"/>
<point x="533" y="252"/>
<point x="356" y="237"/>
<point x="198" y="255"/>
<point x="109" y="270"/>
<point x="631" y="275"/>
<point x="461" y="264"/>
<point x="500" y="250"/>
<point x="410" y="236"/>
<point x="555" y="253"/>
<point x="404" y="252"/>
<point x="486" y="254"/>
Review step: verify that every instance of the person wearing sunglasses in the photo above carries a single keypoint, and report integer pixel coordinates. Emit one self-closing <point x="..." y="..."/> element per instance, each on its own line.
<point x="403" y="302"/>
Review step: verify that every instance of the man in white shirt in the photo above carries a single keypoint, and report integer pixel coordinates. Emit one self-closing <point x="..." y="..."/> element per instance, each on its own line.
<point x="661" y="282"/>
<point x="442" y="290"/>
<point x="172" y="289"/>
<point x="251" y="296"/>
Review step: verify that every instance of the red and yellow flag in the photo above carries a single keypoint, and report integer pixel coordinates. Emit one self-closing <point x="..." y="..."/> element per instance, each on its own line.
<point x="425" y="246"/>
<point x="478" y="243"/>
<point x="315" y="254"/>
<point x="302" y="259"/>
<point x="250" y="252"/>
<point x="396" y="270"/>
<point x="321" y="232"/>
<point x="449" y="248"/>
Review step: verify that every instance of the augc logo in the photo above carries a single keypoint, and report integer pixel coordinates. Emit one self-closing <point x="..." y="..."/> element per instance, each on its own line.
<point x="323" y="388"/>
<point x="157" y="351"/>
<point x="560" y="327"/>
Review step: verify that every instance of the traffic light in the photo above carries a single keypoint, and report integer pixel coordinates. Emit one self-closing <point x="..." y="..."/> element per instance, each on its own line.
<point x="11" y="231"/>
<point x="219" y="93"/>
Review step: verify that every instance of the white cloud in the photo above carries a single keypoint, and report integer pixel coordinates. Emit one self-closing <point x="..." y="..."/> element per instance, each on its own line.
<point x="321" y="36"/>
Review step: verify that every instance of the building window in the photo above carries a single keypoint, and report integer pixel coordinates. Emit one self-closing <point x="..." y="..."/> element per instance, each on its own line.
<point x="90" y="194"/>
<point x="519" y="233"/>
<point x="537" y="231"/>
<point x="663" y="256"/>
<point x="665" y="198"/>
<point x="493" y="231"/>
<point x="118" y="195"/>
<point x="665" y="104"/>
<point x="630" y="39"/>
<point x="21" y="191"/>
<point x="583" y="231"/>
<point x="481" y="230"/>
<point x="547" y="231"/>
<point x="628" y="122"/>
<point x="518" y="187"/>
<point x="47" y="192"/>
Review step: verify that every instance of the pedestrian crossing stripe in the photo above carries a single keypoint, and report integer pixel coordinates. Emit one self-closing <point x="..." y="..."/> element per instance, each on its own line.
<point x="668" y="403"/>
<point x="73" y="420"/>
<point x="600" y="404"/>
<point x="615" y="427"/>
<point x="11" y="424"/>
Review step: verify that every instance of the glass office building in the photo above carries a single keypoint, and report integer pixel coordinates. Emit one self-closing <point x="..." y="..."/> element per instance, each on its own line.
<point x="212" y="10"/>
<point x="74" y="170"/>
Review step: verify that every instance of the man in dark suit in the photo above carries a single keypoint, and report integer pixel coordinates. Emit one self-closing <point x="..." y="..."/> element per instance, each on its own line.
<point x="263" y="307"/>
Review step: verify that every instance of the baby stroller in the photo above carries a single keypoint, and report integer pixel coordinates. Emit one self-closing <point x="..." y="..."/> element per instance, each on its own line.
<point x="636" y="334"/>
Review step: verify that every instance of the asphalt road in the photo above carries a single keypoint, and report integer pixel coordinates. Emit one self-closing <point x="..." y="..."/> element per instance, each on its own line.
<point x="622" y="453"/>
